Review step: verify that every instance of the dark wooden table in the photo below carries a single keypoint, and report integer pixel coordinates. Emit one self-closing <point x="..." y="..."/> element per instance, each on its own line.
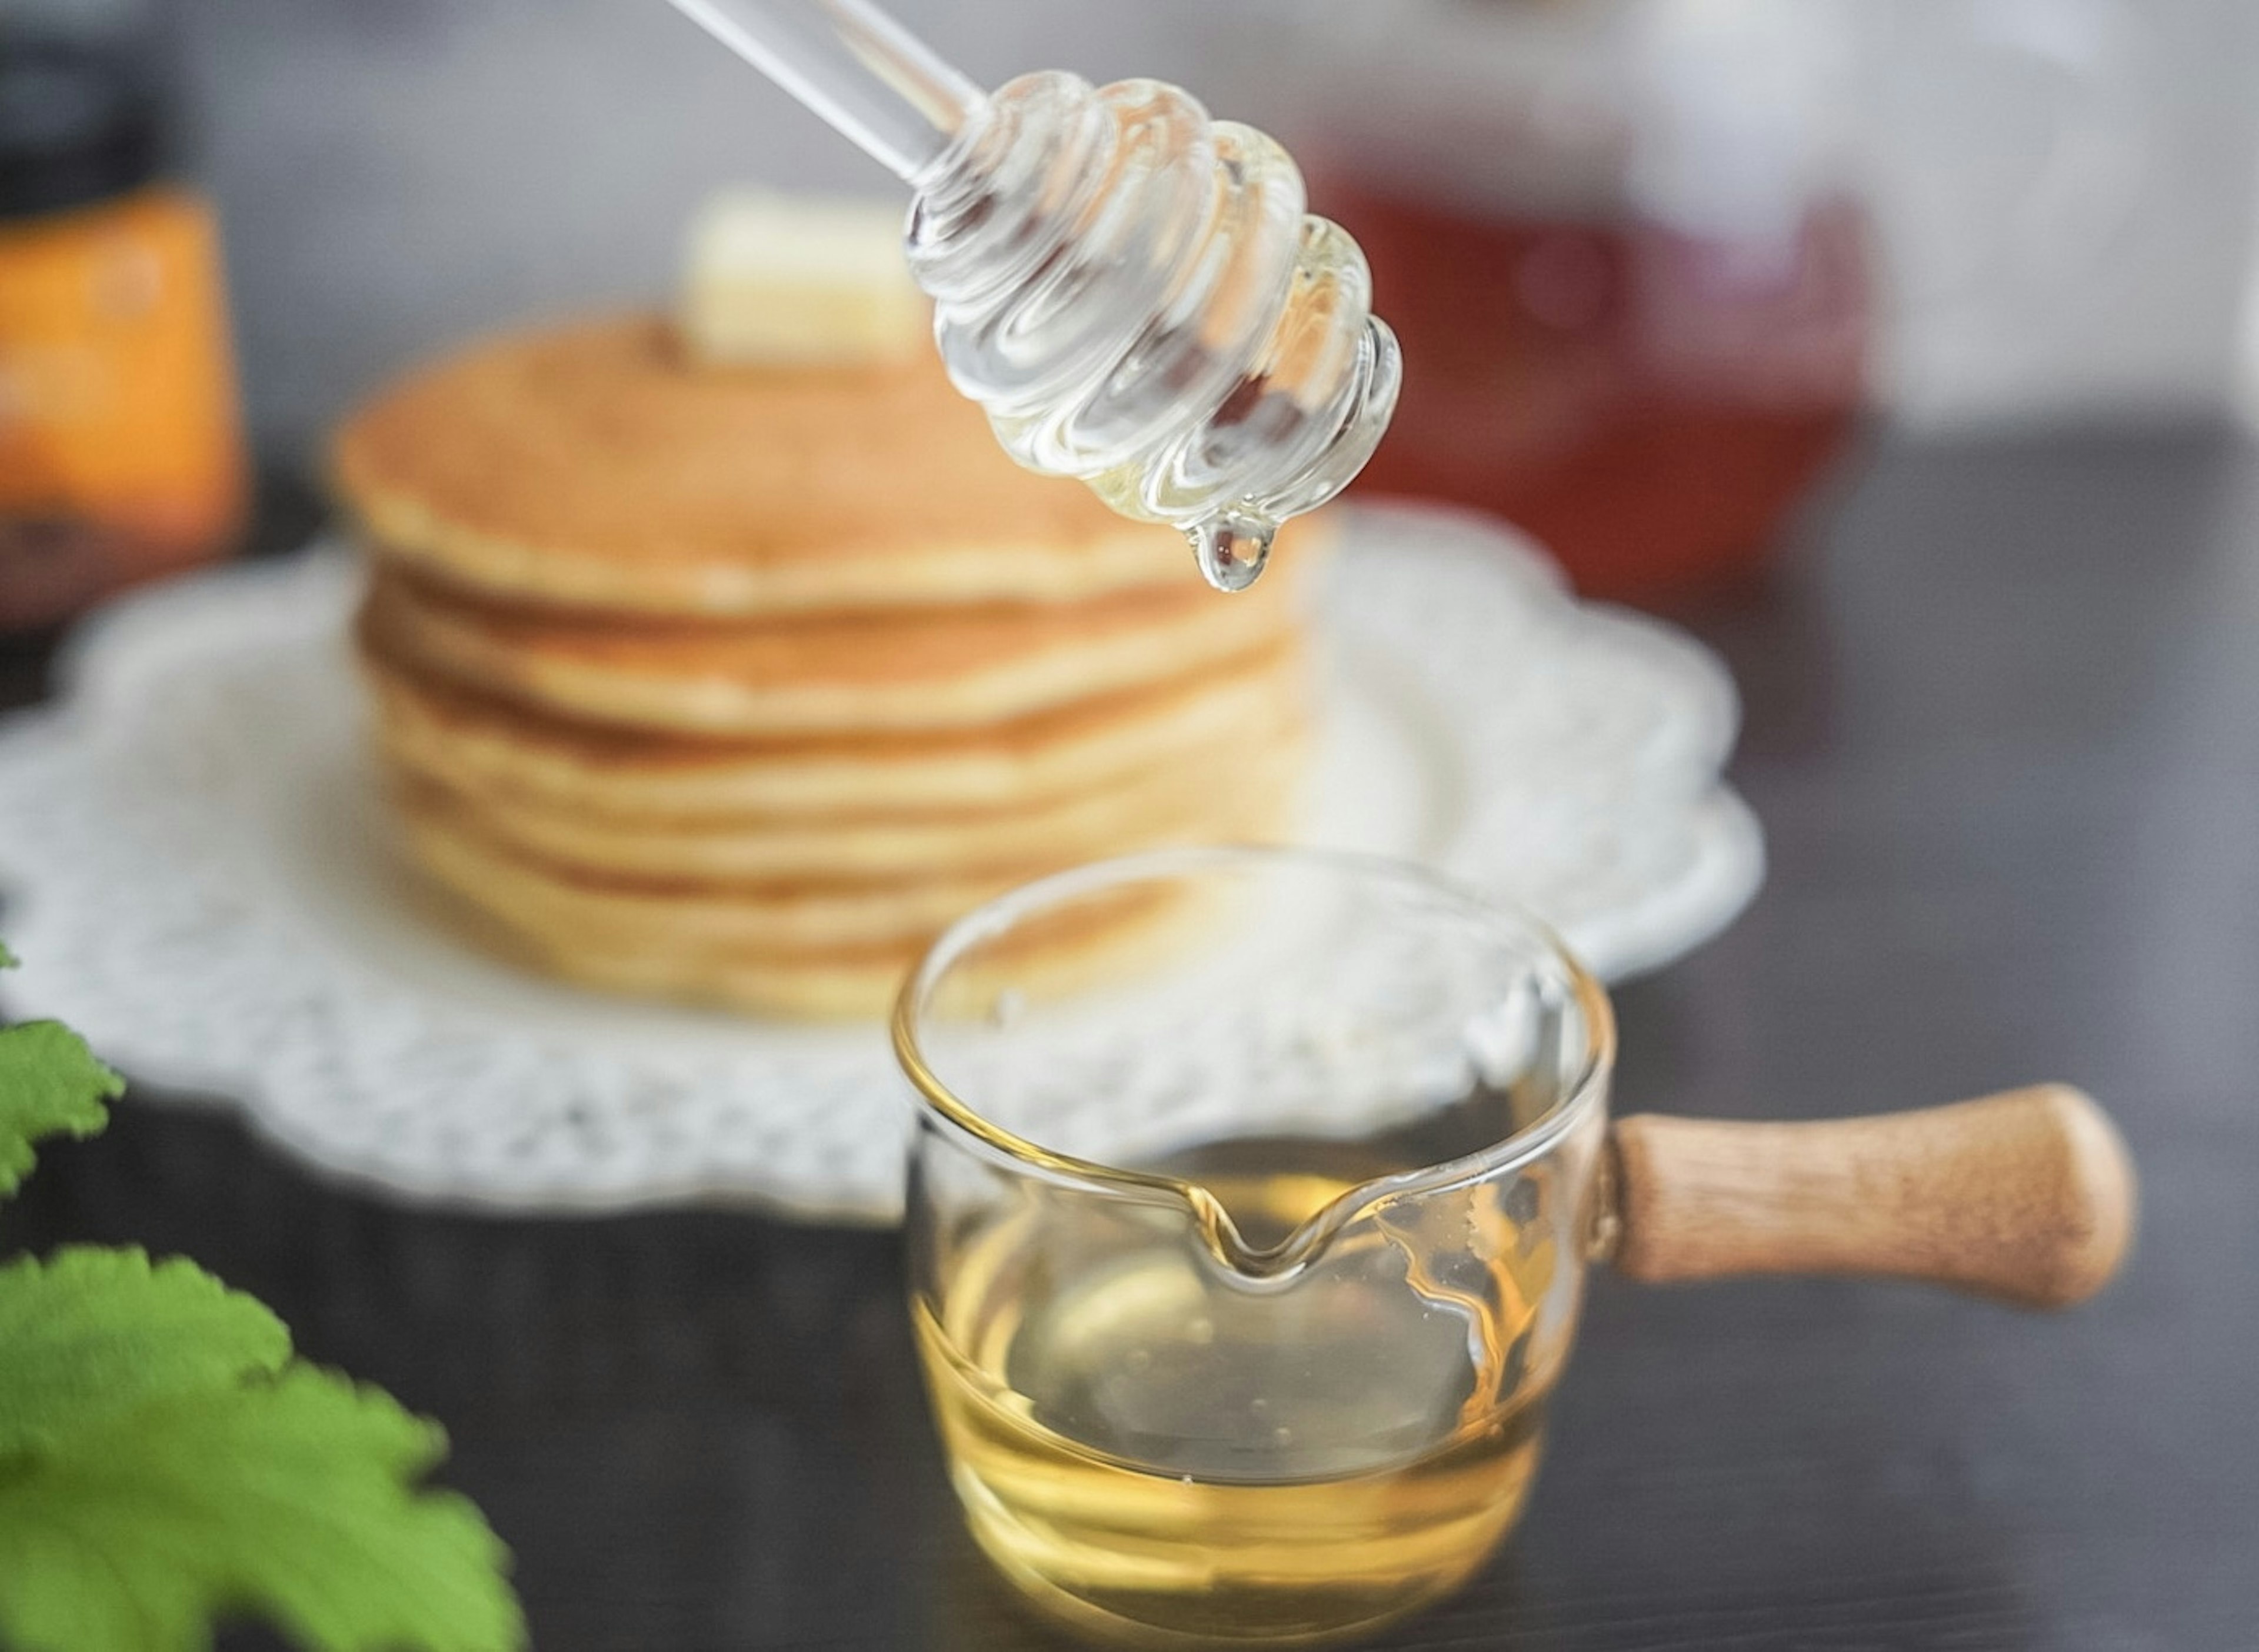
<point x="2004" y="732"/>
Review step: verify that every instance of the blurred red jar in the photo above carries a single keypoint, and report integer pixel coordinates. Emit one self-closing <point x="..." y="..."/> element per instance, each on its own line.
<point x="120" y="449"/>
<point x="1615" y="240"/>
<point x="1650" y="407"/>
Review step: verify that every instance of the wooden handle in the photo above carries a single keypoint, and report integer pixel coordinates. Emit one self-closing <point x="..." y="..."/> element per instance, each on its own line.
<point x="2027" y="1196"/>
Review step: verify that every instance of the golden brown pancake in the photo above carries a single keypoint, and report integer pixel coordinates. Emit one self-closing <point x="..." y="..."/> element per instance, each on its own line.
<point x="907" y="670"/>
<point x="737" y="684"/>
<point x="595" y="466"/>
<point x="478" y="744"/>
<point x="795" y="948"/>
<point x="1174" y="799"/>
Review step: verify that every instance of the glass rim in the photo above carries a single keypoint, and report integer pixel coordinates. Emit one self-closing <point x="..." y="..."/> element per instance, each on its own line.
<point x="1003" y="912"/>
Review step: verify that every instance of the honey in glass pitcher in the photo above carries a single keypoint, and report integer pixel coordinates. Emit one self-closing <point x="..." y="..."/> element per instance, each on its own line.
<point x="1224" y="1462"/>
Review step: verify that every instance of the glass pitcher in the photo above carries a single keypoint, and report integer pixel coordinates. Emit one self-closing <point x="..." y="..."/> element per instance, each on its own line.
<point x="1251" y="1201"/>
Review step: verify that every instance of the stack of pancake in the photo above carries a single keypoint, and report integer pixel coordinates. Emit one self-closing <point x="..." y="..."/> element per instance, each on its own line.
<point x="737" y="684"/>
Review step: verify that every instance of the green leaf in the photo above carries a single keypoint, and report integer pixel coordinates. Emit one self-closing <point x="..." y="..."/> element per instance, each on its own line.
<point x="50" y="1084"/>
<point x="90" y="1333"/>
<point x="293" y="1497"/>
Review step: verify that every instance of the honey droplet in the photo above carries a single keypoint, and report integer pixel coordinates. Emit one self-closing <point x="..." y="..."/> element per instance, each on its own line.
<point x="1231" y="549"/>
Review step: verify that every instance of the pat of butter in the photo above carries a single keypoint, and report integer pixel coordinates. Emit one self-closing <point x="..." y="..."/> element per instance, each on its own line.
<point x="801" y="280"/>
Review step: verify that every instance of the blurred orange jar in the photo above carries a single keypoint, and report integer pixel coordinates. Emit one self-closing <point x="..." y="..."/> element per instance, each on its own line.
<point x="121" y="455"/>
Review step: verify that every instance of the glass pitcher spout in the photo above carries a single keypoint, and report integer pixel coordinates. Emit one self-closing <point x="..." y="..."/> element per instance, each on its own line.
<point x="1268" y="1259"/>
<point x="1279" y="1263"/>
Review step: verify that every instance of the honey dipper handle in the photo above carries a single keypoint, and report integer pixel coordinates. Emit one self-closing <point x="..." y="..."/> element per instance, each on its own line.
<point x="2027" y="1195"/>
<point x="880" y="86"/>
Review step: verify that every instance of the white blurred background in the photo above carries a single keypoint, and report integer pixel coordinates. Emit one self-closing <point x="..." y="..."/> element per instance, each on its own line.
<point x="2064" y="189"/>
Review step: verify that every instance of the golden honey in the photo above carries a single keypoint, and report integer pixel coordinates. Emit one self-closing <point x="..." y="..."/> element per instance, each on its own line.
<point x="1163" y="1452"/>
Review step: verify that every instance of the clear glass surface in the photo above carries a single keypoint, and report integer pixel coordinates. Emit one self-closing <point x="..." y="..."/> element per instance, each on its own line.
<point x="1249" y="1213"/>
<point x="1136" y="296"/>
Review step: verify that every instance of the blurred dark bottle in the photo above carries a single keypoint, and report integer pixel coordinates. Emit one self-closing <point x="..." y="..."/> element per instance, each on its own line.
<point x="1633" y="292"/>
<point x="121" y="455"/>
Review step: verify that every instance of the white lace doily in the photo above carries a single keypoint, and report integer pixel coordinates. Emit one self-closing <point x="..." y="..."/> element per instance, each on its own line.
<point x="199" y="876"/>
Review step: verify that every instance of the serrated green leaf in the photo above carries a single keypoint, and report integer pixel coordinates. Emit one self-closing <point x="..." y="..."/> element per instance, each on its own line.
<point x="50" y="1084"/>
<point x="7" y="958"/>
<point x="292" y="1497"/>
<point x="90" y="1333"/>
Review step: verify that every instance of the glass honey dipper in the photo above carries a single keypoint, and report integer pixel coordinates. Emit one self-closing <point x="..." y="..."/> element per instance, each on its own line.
<point x="1133" y="291"/>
